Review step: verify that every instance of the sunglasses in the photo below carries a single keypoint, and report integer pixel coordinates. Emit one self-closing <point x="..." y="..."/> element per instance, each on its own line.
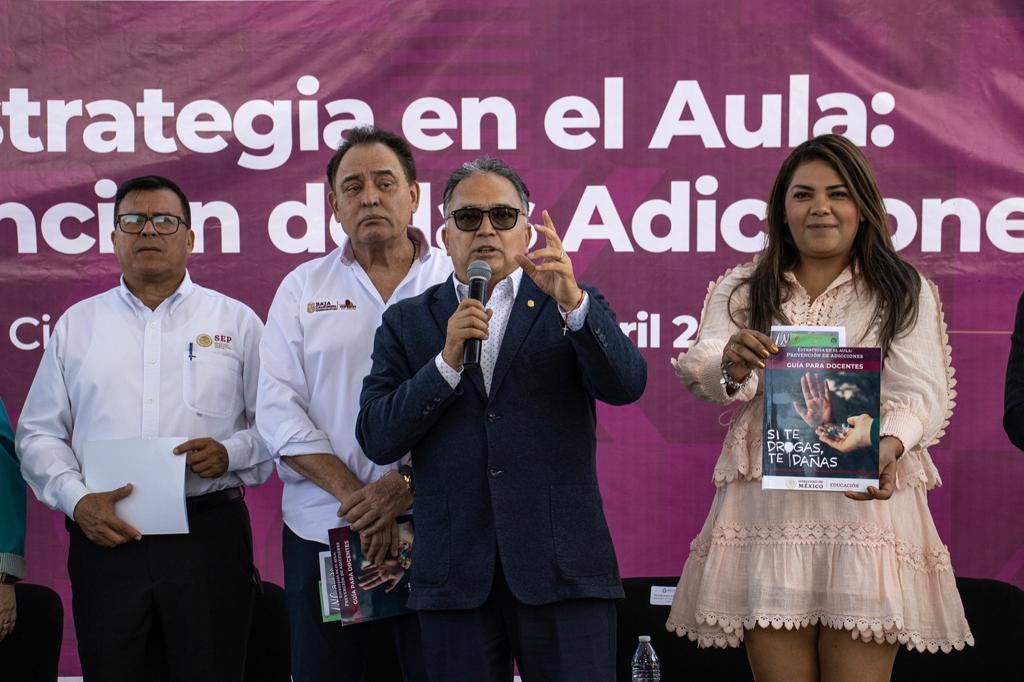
<point x="470" y="219"/>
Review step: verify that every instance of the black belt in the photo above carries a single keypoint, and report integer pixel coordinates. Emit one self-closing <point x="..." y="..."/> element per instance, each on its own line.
<point x="201" y="503"/>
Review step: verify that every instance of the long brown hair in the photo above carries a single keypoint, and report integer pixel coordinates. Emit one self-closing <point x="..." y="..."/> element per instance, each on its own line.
<point x="894" y="282"/>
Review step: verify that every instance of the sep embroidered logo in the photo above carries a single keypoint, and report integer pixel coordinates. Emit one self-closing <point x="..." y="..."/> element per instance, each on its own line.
<point x="222" y="341"/>
<point x="324" y="306"/>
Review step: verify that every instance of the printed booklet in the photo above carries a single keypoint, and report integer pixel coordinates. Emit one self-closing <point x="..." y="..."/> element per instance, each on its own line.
<point x="353" y="590"/>
<point x="821" y="407"/>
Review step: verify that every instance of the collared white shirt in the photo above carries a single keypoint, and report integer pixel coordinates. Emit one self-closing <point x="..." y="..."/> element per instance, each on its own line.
<point x="316" y="350"/>
<point x="500" y="302"/>
<point x="115" y="369"/>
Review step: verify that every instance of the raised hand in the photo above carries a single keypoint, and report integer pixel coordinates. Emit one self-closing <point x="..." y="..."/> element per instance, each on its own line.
<point x="817" y="407"/>
<point x="554" y="275"/>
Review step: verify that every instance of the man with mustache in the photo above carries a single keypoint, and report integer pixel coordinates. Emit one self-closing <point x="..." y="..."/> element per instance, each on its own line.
<point x="156" y="356"/>
<point x="315" y="353"/>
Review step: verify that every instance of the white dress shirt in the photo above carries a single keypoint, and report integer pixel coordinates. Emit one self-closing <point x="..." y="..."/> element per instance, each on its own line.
<point x="500" y="302"/>
<point x="316" y="349"/>
<point x="115" y="369"/>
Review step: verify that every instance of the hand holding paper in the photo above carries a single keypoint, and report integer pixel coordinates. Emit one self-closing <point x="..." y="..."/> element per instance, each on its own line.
<point x="95" y="515"/>
<point x="205" y="457"/>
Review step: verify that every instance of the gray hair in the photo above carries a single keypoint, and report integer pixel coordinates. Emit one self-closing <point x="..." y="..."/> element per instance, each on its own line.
<point x="486" y="164"/>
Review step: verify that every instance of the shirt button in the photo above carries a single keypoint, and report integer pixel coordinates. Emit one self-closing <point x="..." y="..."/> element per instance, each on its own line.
<point x="491" y="417"/>
<point x="149" y="401"/>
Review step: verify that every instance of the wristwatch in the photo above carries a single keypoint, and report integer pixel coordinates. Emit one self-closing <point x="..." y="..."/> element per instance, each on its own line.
<point x="8" y="579"/>
<point x="405" y="471"/>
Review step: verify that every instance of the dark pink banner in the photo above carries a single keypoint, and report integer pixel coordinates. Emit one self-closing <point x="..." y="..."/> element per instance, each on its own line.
<point x="651" y="131"/>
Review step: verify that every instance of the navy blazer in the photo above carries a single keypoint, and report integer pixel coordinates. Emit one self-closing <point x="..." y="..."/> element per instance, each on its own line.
<point x="1013" y="401"/>
<point x="513" y="472"/>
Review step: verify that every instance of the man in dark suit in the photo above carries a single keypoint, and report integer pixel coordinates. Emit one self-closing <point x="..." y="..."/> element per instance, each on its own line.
<point x="512" y="557"/>
<point x="1013" y="414"/>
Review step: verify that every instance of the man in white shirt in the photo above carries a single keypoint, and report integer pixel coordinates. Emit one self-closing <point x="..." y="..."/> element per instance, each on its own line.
<point x="314" y="356"/>
<point x="157" y="356"/>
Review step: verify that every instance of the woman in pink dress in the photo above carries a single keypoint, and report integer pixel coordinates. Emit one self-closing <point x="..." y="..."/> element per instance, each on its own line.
<point x="823" y="586"/>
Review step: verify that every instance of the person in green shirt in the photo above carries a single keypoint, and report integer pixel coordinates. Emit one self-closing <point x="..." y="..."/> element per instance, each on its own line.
<point x="12" y="526"/>
<point x="32" y="650"/>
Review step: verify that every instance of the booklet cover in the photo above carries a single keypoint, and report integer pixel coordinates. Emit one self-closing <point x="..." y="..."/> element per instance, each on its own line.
<point x="367" y="591"/>
<point x="330" y="606"/>
<point x="795" y="335"/>
<point x="820" y="405"/>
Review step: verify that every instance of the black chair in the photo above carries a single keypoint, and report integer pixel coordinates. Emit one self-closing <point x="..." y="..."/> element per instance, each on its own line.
<point x="268" y="656"/>
<point x="994" y="609"/>
<point x="995" y="612"/>
<point x="32" y="650"/>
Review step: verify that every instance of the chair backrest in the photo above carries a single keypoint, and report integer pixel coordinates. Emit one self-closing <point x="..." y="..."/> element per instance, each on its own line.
<point x="995" y="612"/>
<point x="268" y="657"/>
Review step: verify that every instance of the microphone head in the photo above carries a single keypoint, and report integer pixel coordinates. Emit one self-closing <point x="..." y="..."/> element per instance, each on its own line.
<point x="479" y="269"/>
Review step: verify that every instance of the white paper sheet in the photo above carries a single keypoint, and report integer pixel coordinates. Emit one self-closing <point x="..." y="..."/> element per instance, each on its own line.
<point x="156" y="505"/>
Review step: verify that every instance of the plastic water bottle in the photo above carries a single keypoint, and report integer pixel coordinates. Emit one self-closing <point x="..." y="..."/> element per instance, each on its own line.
<point x="646" y="667"/>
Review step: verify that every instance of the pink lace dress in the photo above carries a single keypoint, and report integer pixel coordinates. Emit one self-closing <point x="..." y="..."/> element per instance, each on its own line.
<point x="790" y="559"/>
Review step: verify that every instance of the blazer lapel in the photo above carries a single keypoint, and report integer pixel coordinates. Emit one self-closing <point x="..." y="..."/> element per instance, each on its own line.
<point x="442" y="308"/>
<point x="443" y="305"/>
<point x="520" y="321"/>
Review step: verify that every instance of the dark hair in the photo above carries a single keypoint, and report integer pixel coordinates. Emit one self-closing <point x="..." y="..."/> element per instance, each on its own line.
<point x="373" y="135"/>
<point x="485" y="164"/>
<point x="894" y="282"/>
<point x="151" y="183"/>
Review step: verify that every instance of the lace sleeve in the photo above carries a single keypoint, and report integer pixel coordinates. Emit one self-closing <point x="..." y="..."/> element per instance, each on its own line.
<point x="917" y="378"/>
<point x="699" y="369"/>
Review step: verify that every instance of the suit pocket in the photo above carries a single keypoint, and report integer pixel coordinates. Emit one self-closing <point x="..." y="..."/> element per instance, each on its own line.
<point x="431" y="558"/>
<point x="583" y="546"/>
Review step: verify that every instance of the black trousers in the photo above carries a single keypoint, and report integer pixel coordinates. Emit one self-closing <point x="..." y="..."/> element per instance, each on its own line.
<point x="168" y="607"/>
<point x="31" y="651"/>
<point x="323" y="652"/>
<point x="565" y="641"/>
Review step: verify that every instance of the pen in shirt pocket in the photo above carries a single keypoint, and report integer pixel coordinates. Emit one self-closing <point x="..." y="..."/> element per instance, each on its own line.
<point x="191" y="356"/>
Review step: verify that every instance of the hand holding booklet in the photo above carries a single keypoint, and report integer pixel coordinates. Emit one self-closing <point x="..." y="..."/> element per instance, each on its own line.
<point x="156" y="505"/>
<point x="821" y="413"/>
<point x="353" y="590"/>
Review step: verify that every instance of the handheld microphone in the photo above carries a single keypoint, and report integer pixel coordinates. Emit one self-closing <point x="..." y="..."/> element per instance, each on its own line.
<point x="479" y="274"/>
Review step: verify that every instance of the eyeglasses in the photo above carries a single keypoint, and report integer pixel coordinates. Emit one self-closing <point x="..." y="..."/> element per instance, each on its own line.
<point x="470" y="219"/>
<point x="163" y="223"/>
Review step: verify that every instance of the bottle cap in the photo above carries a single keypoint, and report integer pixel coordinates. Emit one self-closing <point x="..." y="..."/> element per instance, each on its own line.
<point x="645" y="638"/>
